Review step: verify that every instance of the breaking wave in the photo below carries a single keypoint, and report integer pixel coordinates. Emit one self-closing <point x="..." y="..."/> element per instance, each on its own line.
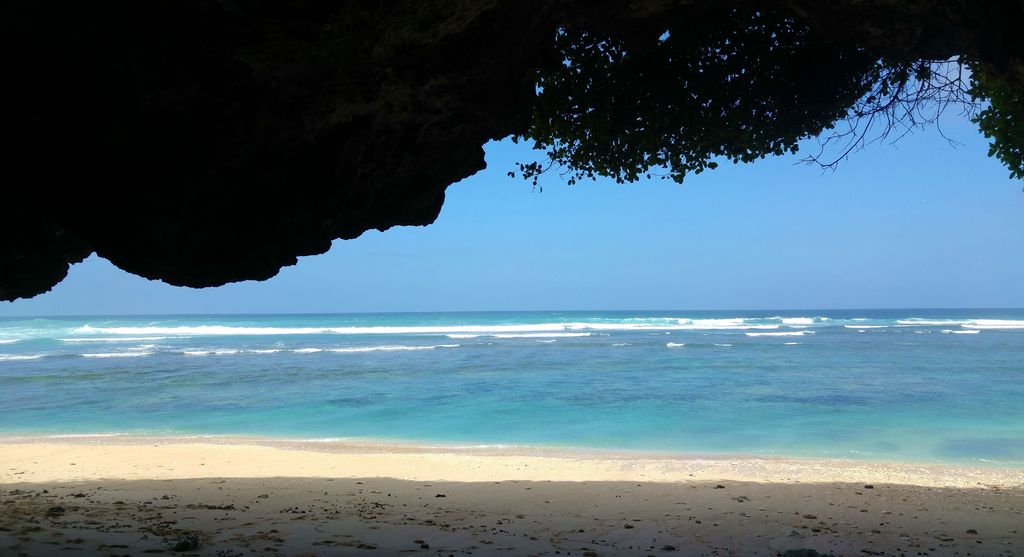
<point x="17" y="357"/>
<point x="111" y="339"/>
<point x="217" y="352"/>
<point x="115" y="354"/>
<point x="391" y="348"/>
<point x="458" y="331"/>
<point x="993" y="324"/>
<point x="781" y="334"/>
<point x="965" y="323"/>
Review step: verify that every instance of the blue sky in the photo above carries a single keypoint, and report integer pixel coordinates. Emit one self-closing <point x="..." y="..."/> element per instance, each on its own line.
<point x="915" y="224"/>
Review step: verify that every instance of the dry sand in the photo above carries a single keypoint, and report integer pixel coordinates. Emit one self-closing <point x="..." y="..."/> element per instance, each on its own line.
<point x="133" y="496"/>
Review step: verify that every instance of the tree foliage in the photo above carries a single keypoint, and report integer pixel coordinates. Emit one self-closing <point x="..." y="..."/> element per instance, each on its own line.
<point x="1002" y="121"/>
<point x="753" y="84"/>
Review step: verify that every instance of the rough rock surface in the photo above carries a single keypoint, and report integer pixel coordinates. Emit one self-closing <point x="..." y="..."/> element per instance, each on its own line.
<point x="212" y="141"/>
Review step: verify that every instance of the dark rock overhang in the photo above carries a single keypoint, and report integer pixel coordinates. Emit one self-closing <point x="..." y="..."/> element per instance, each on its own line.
<point x="206" y="142"/>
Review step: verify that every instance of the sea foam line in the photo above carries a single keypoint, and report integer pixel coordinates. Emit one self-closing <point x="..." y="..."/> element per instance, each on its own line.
<point x="797" y="320"/>
<point x="519" y="335"/>
<point x="993" y="324"/>
<point x="357" y="349"/>
<point x="541" y="335"/>
<point x="112" y="339"/>
<point x="214" y="352"/>
<point x="965" y="323"/>
<point x="115" y="354"/>
<point x="552" y="329"/>
<point x="917" y="322"/>
<point x="781" y="334"/>
<point x="738" y="323"/>
<point x="391" y="348"/>
<point x="225" y="330"/>
<point x="17" y="357"/>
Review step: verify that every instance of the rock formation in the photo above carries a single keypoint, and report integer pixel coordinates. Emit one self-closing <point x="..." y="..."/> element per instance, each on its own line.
<point x="202" y="142"/>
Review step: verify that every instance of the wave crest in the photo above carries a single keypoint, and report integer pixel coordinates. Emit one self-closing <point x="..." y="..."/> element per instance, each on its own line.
<point x="781" y="334"/>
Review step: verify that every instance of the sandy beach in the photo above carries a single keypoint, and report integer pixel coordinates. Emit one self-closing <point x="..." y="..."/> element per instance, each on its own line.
<point x="233" y="497"/>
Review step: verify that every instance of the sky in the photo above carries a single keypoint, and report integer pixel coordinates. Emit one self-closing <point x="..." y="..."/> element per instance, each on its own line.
<point x="915" y="224"/>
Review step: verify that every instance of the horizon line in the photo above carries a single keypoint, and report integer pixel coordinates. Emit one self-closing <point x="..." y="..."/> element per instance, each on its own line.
<point x="399" y="312"/>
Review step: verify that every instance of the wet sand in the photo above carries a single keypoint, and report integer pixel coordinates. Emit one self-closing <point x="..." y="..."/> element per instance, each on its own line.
<point x="146" y="496"/>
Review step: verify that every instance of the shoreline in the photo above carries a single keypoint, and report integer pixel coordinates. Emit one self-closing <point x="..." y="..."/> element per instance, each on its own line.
<point x="116" y="456"/>
<point x="103" y="496"/>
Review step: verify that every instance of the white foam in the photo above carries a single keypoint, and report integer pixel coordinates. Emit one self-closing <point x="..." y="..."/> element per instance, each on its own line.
<point x="916" y="322"/>
<point x="723" y="344"/>
<point x="216" y="352"/>
<point x="674" y="344"/>
<point x="267" y="351"/>
<point x="621" y="344"/>
<point x="781" y="334"/>
<point x="791" y="343"/>
<point x="8" y="340"/>
<point x="518" y="335"/>
<point x="110" y="339"/>
<point x="385" y="348"/>
<point x="737" y="323"/>
<point x="547" y="341"/>
<point x="115" y="355"/>
<point x="542" y="335"/>
<point x="307" y="350"/>
<point x="964" y="332"/>
<point x="966" y="323"/>
<point x="226" y="330"/>
<point x="534" y="330"/>
<point x="17" y="357"/>
<point x="993" y="324"/>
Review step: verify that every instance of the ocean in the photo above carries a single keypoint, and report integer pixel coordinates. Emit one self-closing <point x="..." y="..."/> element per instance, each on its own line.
<point x="929" y="386"/>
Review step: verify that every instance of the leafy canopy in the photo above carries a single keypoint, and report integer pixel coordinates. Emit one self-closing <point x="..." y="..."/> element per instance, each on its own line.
<point x="753" y="84"/>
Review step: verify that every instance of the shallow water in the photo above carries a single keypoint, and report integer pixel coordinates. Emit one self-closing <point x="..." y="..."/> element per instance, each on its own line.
<point x="906" y="385"/>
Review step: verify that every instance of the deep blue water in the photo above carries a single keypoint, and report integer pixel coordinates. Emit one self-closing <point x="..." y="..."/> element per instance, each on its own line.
<point x="907" y="385"/>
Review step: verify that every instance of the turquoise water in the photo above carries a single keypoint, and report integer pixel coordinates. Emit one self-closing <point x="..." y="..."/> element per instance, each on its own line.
<point x="904" y="385"/>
